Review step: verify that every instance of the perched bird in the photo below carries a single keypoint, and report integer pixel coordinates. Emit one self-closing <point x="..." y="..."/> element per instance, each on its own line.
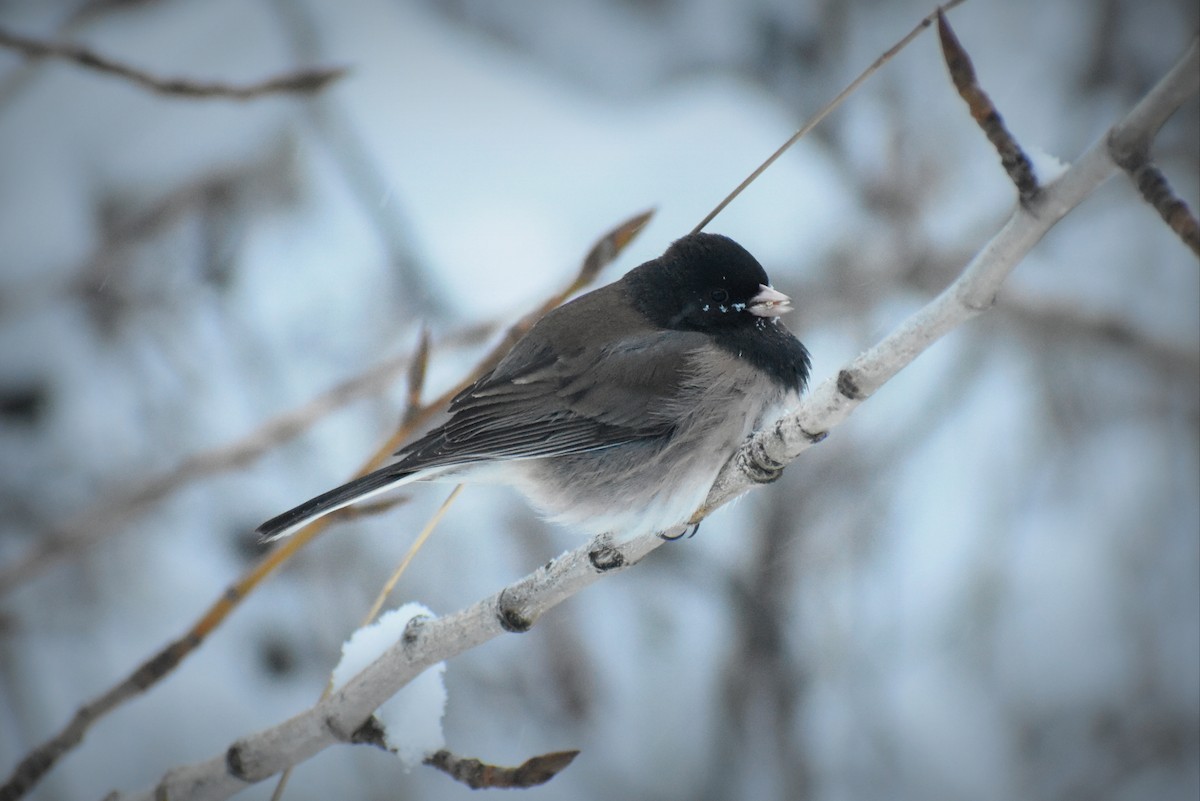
<point x="616" y="411"/>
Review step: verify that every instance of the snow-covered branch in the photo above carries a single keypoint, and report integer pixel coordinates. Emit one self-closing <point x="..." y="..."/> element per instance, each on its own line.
<point x="516" y="608"/>
<point x="426" y="642"/>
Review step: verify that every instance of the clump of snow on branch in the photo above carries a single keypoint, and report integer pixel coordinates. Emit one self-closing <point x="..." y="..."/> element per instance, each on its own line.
<point x="412" y="718"/>
<point x="1046" y="166"/>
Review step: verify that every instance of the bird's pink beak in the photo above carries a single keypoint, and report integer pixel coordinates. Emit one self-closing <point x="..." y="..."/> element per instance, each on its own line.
<point x="769" y="302"/>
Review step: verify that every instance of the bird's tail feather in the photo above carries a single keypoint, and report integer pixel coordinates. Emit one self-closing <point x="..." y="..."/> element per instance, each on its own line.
<point x="359" y="489"/>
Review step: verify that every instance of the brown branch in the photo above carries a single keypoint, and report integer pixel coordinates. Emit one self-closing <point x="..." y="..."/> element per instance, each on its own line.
<point x="308" y="81"/>
<point x="480" y="775"/>
<point x="417" y="369"/>
<point x="42" y="758"/>
<point x="1129" y="146"/>
<point x="962" y="73"/>
<point x="1156" y="190"/>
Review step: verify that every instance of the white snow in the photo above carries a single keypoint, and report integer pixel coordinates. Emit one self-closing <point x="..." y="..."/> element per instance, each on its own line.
<point x="1046" y="167"/>
<point x="412" y="718"/>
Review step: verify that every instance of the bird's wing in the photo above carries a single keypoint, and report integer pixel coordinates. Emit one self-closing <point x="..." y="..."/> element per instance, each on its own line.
<point x="542" y="402"/>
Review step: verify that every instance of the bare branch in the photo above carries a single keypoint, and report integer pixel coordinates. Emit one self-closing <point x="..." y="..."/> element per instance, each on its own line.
<point x="480" y="775"/>
<point x="1156" y="190"/>
<point x="303" y="81"/>
<point x="962" y="73"/>
<point x="1130" y="141"/>
<point x="417" y="369"/>
<point x="607" y="248"/>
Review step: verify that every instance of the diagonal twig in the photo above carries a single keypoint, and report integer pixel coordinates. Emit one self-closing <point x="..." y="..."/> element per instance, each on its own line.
<point x="962" y="73"/>
<point x="1130" y="144"/>
<point x="302" y="81"/>
<point x="825" y="111"/>
<point x="479" y="775"/>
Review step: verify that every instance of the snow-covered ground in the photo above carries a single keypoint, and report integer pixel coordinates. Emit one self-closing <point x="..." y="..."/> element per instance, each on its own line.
<point x="985" y="585"/>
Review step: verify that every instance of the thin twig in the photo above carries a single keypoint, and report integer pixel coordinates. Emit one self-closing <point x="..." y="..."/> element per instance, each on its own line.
<point x="1130" y="144"/>
<point x="1156" y="190"/>
<point x="962" y="73"/>
<point x="417" y="369"/>
<point x="306" y="81"/>
<point x="390" y="584"/>
<point x="380" y="599"/>
<point x="887" y="56"/>
<point x="480" y="775"/>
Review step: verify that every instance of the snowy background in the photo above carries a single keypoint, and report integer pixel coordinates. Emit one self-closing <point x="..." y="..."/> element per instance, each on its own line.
<point x="985" y="585"/>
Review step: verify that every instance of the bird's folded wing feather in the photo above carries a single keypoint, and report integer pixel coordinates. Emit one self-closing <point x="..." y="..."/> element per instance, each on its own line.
<point x="538" y="403"/>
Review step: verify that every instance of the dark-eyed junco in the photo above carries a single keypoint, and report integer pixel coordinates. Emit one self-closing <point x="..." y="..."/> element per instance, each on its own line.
<point x="616" y="411"/>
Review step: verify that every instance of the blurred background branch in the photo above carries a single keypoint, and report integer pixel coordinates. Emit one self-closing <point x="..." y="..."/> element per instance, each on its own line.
<point x="308" y="80"/>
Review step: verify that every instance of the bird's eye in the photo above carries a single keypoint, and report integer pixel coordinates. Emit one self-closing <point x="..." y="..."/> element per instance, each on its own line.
<point x="720" y="295"/>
